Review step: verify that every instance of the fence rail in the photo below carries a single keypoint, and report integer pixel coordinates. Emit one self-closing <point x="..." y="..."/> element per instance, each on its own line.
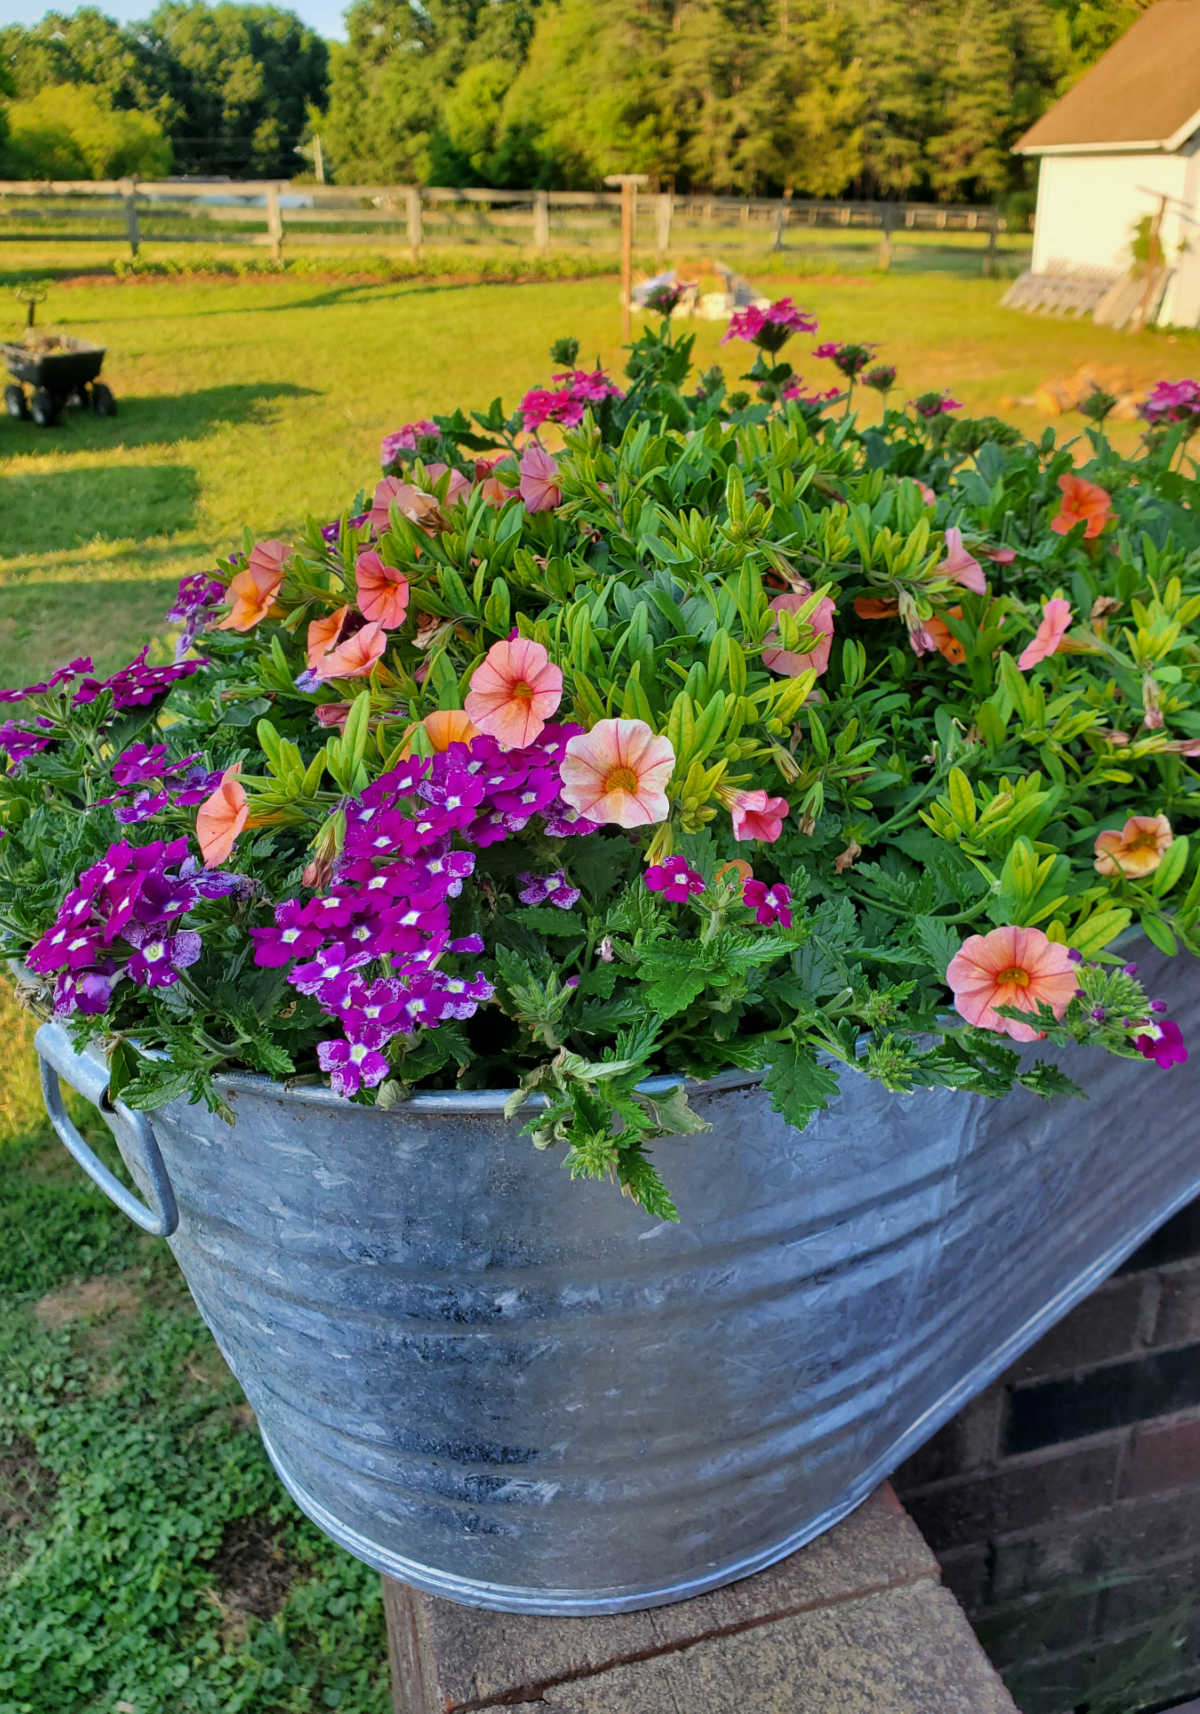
<point x="261" y="212"/>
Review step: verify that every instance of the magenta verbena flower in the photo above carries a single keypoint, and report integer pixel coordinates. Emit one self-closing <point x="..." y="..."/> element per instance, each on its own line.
<point x="137" y="684"/>
<point x="674" y="878"/>
<point x="407" y="438"/>
<point x="331" y="534"/>
<point x="1163" y="1043"/>
<point x="770" y="328"/>
<point x="121" y="920"/>
<point x="769" y="904"/>
<point x="19" y="743"/>
<point x="1171" y="402"/>
<point x="930" y="405"/>
<point x="63" y="675"/>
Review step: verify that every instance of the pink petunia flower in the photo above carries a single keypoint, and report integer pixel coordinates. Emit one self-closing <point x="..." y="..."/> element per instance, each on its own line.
<point x="413" y="503"/>
<point x="459" y="486"/>
<point x="514" y="691"/>
<point x="960" y="565"/>
<point x="1047" y="640"/>
<point x="789" y="662"/>
<point x="382" y="590"/>
<point x="538" y="488"/>
<point x="1019" y="967"/>
<point x="757" y="816"/>
<point x="618" y="772"/>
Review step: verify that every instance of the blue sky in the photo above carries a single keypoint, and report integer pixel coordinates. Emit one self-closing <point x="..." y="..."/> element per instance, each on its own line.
<point x="325" y="16"/>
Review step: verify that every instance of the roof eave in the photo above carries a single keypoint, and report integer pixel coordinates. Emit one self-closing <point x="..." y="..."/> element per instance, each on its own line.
<point x="1184" y="133"/>
<point x="1157" y="146"/>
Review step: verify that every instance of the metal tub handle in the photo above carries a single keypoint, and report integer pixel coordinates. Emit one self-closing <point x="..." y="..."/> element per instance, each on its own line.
<point x="59" y="1059"/>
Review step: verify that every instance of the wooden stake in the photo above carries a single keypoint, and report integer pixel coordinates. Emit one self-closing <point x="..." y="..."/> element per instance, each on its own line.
<point x="541" y="220"/>
<point x="628" y="183"/>
<point x="275" y="222"/>
<point x="412" y="196"/>
<point x="129" y="193"/>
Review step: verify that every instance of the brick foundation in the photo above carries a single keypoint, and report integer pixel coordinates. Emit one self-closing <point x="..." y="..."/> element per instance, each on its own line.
<point x="1064" y="1502"/>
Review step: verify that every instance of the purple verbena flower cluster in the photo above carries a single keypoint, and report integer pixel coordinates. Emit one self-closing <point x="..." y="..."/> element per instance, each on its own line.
<point x="1172" y="402"/>
<point x="389" y="898"/>
<point x="930" y="405"/>
<point x="568" y="402"/>
<point x="196" y="601"/>
<point x="18" y="742"/>
<point x="64" y="675"/>
<point x="122" y="920"/>
<point x="138" y="769"/>
<point x="331" y="534"/>
<point x="136" y="684"/>
<point x="407" y="438"/>
<point x="850" y="359"/>
<point x="770" y="328"/>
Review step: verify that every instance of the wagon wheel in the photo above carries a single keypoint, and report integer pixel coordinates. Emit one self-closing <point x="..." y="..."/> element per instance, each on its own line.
<point x="103" y="402"/>
<point x="14" y="401"/>
<point x="44" y="408"/>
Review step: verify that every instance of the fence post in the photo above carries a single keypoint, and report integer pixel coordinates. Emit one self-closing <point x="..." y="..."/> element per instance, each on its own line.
<point x="129" y="194"/>
<point x="274" y="223"/>
<point x="885" y="236"/>
<point x="412" y="197"/>
<point x="664" y="208"/>
<point x="541" y="220"/>
<point x="990" y="258"/>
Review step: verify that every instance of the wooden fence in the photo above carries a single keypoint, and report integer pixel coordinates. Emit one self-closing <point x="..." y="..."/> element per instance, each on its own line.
<point x="266" y="212"/>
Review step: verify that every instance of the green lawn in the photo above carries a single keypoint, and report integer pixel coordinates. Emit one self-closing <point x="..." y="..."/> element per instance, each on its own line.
<point x="149" y="1560"/>
<point x="252" y="403"/>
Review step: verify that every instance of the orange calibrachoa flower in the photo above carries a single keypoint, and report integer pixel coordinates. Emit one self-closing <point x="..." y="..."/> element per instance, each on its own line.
<point x="1082" y="502"/>
<point x="1020" y="967"/>
<point x="514" y="691"/>
<point x="221" y="818"/>
<point x="618" y="772"/>
<point x="1136" y="850"/>
<point x="336" y="651"/>
<point x="876" y="607"/>
<point x="253" y="589"/>
<point x="446" y="726"/>
<point x="382" y="590"/>
<point x="943" y="638"/>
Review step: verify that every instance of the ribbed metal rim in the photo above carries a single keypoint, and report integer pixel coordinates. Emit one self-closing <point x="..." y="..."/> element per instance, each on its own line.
<point x="434" y="1101"/>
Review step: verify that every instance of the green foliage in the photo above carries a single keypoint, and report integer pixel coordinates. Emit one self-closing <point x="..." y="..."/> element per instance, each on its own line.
<point x="229" y="86"/>
<point x="873" y="97"/>
<point x="69" y="131"/>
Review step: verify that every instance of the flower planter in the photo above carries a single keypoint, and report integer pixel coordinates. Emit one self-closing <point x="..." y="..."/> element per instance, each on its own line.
<point x="547" y="1402"/>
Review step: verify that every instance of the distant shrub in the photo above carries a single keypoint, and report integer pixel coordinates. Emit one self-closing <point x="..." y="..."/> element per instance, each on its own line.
<point x="68" y="131"/>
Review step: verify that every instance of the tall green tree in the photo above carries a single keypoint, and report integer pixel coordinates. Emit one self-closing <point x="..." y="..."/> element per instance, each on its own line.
<point x="71" y="131"/>
<point x="242" y="79"/>
<point x="86" y="47"/>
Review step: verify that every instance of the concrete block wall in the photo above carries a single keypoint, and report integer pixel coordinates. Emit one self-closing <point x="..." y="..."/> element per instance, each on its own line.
<point x="1064" y="1502"/>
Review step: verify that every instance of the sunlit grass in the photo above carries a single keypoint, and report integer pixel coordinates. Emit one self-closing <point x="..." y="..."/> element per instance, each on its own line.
<point x="258" y="402"/>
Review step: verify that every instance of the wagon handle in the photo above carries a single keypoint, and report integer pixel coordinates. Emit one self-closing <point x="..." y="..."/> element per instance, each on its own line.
<point x="58" y="1059"/>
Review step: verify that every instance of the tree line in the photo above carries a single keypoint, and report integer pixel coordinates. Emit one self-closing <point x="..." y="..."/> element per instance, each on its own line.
<point x="870" y="98"/>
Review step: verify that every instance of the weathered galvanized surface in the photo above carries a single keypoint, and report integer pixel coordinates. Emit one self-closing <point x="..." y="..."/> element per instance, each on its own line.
<point x="523" y="1393"/>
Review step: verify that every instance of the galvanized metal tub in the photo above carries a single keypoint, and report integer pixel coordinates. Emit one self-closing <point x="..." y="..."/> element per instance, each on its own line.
<point x="524" y="1394"/>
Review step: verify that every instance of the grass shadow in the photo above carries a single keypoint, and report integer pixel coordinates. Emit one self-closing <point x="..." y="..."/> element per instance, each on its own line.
<point x="46" y="510"/>
<point x="107" y="620"/>
<point x="154" y="419"/>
